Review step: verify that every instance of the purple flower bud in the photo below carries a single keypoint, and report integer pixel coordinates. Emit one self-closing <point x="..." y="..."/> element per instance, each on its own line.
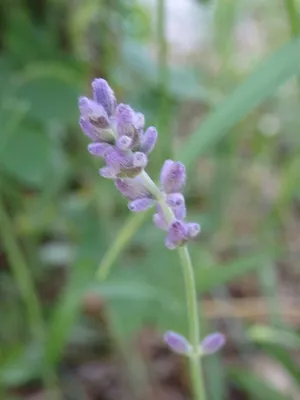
<point x="212" y="343"/>
<point x="148" y="140"/>
<point x="177" y="343"/>
<point x="142" y="204"/>
<point x="104" y="95"/>
<point x="140" y="159"/>
<point x="88" y="129"/>
<point x="132" y="188"/>
<point x="93" y="112"/>
<point x="193" y="229"/>
<point x="107" y="172"/>
<point x="172" y="176"/>
<point x="160" y="222"/>
<point x="124" y="142"/>
<point x="139" y="121"/>
<point x="177" y="204"/>
<point x="177" y="235"/>
<point x="117" y="159"/>
<point x="99" y="149"/>
<point x="124" y="120"/>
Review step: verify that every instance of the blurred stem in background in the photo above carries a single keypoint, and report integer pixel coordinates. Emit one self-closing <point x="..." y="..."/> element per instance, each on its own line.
<point x="28" y="292"/>
<point x="294" y="22"/>
<point x="292" y="12"/>
<point x="164" y="118"/>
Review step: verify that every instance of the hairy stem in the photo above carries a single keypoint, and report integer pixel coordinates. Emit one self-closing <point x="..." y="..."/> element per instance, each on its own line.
<point x="191" y="295"/>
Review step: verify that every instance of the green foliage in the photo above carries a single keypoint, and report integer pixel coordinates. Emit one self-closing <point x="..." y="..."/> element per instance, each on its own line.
<point x="59" y="218"/>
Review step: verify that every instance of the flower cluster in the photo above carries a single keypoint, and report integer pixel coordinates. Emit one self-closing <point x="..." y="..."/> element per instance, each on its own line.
<point x="118" y="136"/>
<point x="209" y="345"/>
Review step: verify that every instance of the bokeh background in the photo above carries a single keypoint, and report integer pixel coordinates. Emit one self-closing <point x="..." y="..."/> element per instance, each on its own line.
<point x="219" y="80"/>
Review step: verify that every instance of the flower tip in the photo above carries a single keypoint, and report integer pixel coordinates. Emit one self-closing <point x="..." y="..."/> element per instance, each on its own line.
<point x="212" y="343"/>
<point x="177" y="342"/>
<point x="193" y="229"/>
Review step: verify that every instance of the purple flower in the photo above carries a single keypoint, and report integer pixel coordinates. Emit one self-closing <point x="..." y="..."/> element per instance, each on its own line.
<point x="177" y="235"/>
<point x="104" y="95"/>
<point x="140" y="159"/>
<point x="177" y="343"/>
<point x="177" y="204"/>
<point x="118" y="136"/>
<point x="141" y="204"/>
<point x="212" y="343"/>
<point x="99" y="149"/>
<point x="124" y="142"/>
<point x="132" y="189"/>
<point x="148" y="140"/>
<point x="193" y="229"/>
<point x="172" y="176"/>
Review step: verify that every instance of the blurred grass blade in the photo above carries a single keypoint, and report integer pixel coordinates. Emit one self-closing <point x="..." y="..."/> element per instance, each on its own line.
<point x="274" y="72"/>
<point x="260" y="389"/>
<point x="123" y="237"/>
<point x="207" y="279"/>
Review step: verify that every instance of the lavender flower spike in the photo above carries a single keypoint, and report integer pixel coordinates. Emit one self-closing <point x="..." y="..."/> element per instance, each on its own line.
<point x="177" y="343"/>
<point x="117" y="133"/>
<point x="212" y="343"/>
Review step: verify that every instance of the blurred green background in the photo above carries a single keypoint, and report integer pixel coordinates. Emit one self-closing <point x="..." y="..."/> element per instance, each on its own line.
<point x="220" y="80"/>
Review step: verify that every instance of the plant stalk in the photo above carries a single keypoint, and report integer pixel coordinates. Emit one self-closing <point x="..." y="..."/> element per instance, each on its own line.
<point x="191" y="296"/>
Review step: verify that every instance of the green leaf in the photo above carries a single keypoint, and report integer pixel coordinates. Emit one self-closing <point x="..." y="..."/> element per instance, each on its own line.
<point x="27" y="155"/>
<point x="50" y="99"/>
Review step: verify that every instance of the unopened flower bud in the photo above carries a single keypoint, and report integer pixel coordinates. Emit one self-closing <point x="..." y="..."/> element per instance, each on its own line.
<point x="172" y="176"/>
<point x="177" y="343"/>
<point x="212" y="343"/>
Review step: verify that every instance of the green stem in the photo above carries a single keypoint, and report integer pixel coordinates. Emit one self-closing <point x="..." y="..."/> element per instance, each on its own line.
<point x="294" y="22"/>
<point x="26" y="287"/>
<point x="194" y="326"/>
<point x="291" y="9"/>
<point x="191" y="295"/>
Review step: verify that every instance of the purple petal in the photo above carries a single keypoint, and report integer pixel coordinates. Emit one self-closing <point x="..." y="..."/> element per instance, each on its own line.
<point x="177" y="204"/>
<point x="117" y="159"/>
<point x="148" y="140"/>
<point x="141" y="204"/>
<point x="140" y="159"/>
<point x="124" y="142"/>
<point x="193" y="229"/>
<point x="139" y="121"/>
<point x="212" y="343"/>
<point x="160" y="222"/>
<point x="93" y="112"/>
<point x="132" y="188"/>
<point x="88" y="129"/>
<point x="177" y="235"/>
<point x="99" y="149"/>
<point x="177" y="343"/>
<point x="104" y="95"/>
<point x="172" y="176"/>
<point x="107" y="172"/>
<point x="124" y="120"/>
